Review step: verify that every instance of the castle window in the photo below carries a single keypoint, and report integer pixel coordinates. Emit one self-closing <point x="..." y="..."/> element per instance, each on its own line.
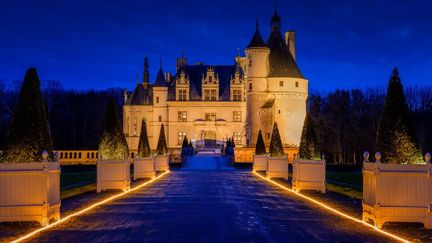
<point x="210" y="116"/>
<point x="181" y="135"/>
<point x="210" y="79"/>
<point x="160" y="118"/>
<point x="157" y="99"/>
<point x="213" y="95"/>
<point x="237" y="136"/>
<point x="250" y="63"/>
<point x="182" y="116"/>
<point x="278" y="111"/>
<point x="296" y="84"/>
<point x="268" y="135"/>
<point x="250" y="86"/>
<point x="182" y="95"/>
<point x="280" y="83"/>
<point x="237" y="116"/>
<point x="237" y="96"/>
<point x="135" y="127"/>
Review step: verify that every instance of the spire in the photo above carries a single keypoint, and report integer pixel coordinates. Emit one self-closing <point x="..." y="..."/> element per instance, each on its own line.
<point x="160" y="78"/>
<point x="275" y="22"/>
<point x="257" y="40"/>
<point x="146" y="75"/>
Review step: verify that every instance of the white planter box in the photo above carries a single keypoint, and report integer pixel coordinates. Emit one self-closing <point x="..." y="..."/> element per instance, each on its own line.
<point x="30" y="192"/>
<point x="144" y="168"/>
<point x="309" y="175"/>
<point x="397" y="193"/>
<point x="113" y="174"/>
<point x="260" y="162"/>
<point x="277" y="167"/>
<point x="161" y="162"/>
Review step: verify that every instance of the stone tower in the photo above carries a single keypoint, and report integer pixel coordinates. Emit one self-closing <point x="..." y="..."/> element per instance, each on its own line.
<point x="257" y="54"/>
<point x="277" y="90"/>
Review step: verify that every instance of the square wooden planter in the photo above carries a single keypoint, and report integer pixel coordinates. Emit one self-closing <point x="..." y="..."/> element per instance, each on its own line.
<point x="277" y="167"/>
<point x="397" y="193"/>
<point x="309" y="175"/>
<point x="144" y="168"/>
<point x="113" y="174"/>
<point x="259" y="162"/>
<point x="161" y="162"/>
<point x="30" y="192"/>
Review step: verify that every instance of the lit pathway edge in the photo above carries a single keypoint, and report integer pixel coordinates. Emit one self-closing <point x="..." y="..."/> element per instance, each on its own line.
<point x="89" y="208"/>
<point x="328" y="208"/>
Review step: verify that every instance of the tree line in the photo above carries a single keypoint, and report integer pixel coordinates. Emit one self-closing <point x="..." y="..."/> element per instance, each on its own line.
<point x="346" y="119"/>
<point x="75" y="116"/>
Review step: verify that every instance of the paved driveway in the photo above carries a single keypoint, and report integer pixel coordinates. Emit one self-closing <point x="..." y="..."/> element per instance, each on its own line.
<point x="209" y="206"/>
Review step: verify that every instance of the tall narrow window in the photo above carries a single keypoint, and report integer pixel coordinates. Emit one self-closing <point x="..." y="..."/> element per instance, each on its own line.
<point x="237" y="96"/>
<point x="157" y="99"/>
<point x="206" y="94"/>
<point x="296" y="84"/>
<point x="181" y="135"/>
<point x="182" y="116"/>
<point x="250" y="86"/>
<point x="160" y="118"/>
<point x="237" y="116"/>
<point x="213" y="95"/>
<point x="182" y="95"/>
<point x="237" y="137"/>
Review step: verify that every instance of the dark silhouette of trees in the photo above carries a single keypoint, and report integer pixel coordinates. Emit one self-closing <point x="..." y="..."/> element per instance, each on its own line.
<point x="276" y="148"/>
<point x="309" y="148"/>
<point x="143" y="144"/>
<point x="29" y="133"/>
<point x="260" y="148"/>
<point x="113" y="143"/>
<point x="396" y="136"/>
<point x="161" y="148"/>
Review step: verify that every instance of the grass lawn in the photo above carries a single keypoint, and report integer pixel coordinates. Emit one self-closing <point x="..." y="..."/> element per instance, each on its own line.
<point x="68" y="179"/>
<point x="348" y="183"/>
<point x="75" y="183"/>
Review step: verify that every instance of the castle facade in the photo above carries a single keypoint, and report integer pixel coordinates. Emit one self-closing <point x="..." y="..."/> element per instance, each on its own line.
<point x="210" y="103"/>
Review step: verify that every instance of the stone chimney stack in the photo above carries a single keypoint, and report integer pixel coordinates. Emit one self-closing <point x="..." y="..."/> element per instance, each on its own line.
<point x="290" y="42"/>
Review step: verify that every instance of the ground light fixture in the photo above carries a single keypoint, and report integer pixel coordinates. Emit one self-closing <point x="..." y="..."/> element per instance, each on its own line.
<point x="89" y="208"/>
<point x="328" y="208"/>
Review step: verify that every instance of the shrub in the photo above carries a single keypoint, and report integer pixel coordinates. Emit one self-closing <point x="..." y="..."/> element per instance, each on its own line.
<point x="260" y="146"/>
<point x="29" y="133"/>
<point x="143" y="145"/>
<point x="113" y="143"/>
<point x="395" y="135"/>
<point x="309" y="148"/>
<point x="161" y="148"/>
<point x="276" y="148"/>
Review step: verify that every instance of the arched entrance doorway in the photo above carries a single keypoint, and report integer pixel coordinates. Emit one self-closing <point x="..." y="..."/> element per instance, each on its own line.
<point x="210" y="138"/>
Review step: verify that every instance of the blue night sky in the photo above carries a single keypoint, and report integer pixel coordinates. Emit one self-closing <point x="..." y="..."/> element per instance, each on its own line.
<point x="101" y="44"/>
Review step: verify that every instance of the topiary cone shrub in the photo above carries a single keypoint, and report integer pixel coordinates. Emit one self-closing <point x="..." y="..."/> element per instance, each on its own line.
<point x="113" y="143"/>
<point x="260" y="148"/>
<point x="395" y="135"/>
<point x="308" y="144"/>
<point x="185" y="142"/>
<point x="143" y="145"/>
<point x="276" y="148"/>
<point x="161" y="148"/>
<point x="29" y="133"/>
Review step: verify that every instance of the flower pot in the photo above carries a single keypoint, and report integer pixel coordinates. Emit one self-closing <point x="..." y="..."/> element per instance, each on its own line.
<point x="260" y="162"/>
<point x="277" y="167"/>
<point x="397" y="193"/>
<point x="113" y="174"/>
<point x="30" y="192"/>
<point x="144" y="168"/>
<point x="161" y="162"/>
<point x="309" y="175"/>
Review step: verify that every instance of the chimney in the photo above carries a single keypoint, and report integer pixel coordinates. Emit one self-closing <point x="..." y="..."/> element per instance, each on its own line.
<point x="168" y="77"/>
<point x="290" y="42"/>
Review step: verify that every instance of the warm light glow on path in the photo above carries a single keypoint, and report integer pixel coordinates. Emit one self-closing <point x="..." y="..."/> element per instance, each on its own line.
<point x="89" y="208"/>
<point x="332" y="209"/>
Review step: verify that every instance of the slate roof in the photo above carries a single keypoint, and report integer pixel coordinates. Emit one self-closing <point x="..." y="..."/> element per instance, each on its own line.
<point x="257" y="40"/>
<point x="195" y="74"/>
<point x="140" y="96"/>
<point x="281" y="62"/>
<point x="160" y="79"/>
